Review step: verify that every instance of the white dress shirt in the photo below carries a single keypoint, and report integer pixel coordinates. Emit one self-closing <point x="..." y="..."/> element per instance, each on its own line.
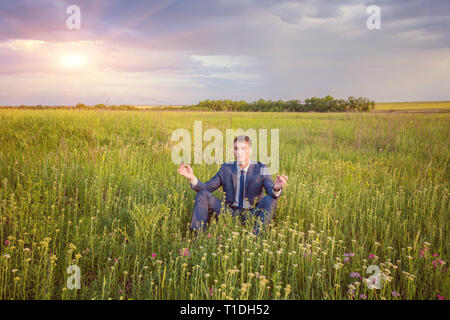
<point x="246" y="204"/>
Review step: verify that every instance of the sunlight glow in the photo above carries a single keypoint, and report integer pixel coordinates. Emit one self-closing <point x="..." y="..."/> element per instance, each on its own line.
<point x="73" y="61"/>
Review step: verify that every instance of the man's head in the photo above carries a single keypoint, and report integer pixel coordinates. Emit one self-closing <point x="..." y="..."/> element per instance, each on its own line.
<point x="242" y="149"/>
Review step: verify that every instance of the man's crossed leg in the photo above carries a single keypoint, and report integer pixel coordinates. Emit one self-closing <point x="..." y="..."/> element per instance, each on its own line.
<point x="206" y="203"/>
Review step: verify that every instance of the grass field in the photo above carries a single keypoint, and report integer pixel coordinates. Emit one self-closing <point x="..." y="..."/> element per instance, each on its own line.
<point x="98" y="189"/>
<point x="436" y="106"/>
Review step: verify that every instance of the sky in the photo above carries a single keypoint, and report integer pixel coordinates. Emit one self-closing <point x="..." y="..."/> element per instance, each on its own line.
<point x="168" y="52"/>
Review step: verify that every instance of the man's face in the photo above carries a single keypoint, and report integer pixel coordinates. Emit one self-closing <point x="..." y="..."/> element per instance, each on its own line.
<point x="242" y="151"/>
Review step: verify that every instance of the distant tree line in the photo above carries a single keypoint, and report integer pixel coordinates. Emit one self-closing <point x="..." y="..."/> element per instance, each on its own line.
<point x="314" y="104"/>
<point x="326" y="104"/>
<point x="79" y="106"/>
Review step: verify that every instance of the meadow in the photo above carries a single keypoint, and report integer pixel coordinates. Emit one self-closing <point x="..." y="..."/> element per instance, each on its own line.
<point x="436" y="106"/>
<point x="98" y="189"/>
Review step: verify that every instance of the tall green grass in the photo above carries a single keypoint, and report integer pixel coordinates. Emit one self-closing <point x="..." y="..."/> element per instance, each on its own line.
<point x="98" y="189"/>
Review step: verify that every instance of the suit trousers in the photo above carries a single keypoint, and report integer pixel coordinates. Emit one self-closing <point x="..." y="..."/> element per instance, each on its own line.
<point x="206" y="203"/>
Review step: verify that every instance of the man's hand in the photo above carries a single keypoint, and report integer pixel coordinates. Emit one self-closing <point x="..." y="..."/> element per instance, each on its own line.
<point x="280" y="182"/>
<point x="186" y="171"/>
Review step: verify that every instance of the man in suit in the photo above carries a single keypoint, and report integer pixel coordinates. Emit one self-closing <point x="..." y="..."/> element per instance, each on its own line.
<point x="242" y="181"/>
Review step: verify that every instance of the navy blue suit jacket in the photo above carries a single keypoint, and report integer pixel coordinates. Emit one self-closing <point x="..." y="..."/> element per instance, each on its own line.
<point x="258" y="178"/>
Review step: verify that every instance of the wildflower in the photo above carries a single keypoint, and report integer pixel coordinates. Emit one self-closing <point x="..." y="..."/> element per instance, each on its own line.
<point x="7" y="243"/>
<point x="440" y="297"/>
<point x="355" y="275"/>
<point x="287" y="290"/>
<point x="363" y="296"/>
<point x="435" y="262"/>
<point x="184" y="252"/>
<point x="337" y="265"/>
<point x="208" y="235"/>
<point x="372" y="256"/>
<point x="211" y="290"/>
<point x="346" y="259"/>
<point x="395" y="294"/>
<point x="153" y="255"/>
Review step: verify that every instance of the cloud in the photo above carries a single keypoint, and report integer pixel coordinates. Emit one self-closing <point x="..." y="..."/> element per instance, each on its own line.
<point x="239" y="49"/>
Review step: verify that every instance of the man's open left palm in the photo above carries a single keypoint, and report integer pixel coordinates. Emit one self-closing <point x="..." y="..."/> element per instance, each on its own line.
<point x="280" y="182"/>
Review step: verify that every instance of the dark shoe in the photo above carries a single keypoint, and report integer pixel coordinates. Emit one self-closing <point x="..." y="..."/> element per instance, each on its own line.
<point x="193" y="233"/>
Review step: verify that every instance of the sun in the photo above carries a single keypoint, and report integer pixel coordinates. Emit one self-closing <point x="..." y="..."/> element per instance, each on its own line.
<point x="73" y="61"/>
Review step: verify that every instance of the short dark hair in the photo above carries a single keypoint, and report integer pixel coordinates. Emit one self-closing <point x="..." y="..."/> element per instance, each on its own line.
<point x="243" y="138"/>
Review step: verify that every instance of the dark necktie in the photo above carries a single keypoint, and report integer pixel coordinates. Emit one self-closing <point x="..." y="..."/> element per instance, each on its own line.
<point x="241" y="190"/>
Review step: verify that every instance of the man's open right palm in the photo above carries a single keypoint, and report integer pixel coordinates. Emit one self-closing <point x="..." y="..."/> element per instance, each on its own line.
<point x="186" y="171"/>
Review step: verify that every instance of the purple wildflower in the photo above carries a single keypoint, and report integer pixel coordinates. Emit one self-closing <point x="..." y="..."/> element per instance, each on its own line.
<point x="395" y="294"/>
